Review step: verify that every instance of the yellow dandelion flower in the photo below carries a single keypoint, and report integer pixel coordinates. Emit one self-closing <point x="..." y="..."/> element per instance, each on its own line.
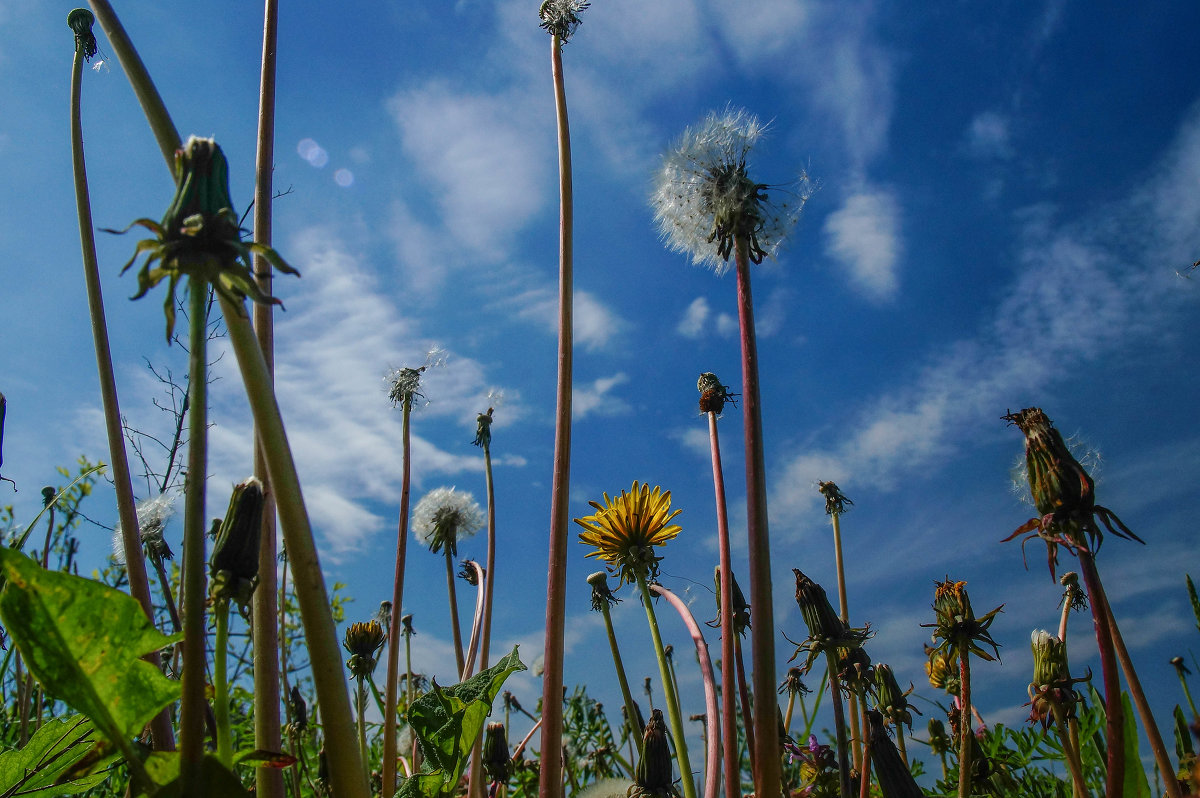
<point x="624" y="531"/>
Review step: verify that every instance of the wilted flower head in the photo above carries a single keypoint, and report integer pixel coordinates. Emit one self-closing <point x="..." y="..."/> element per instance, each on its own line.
<point x="602" y="597"/>
<point x="835" y="500"/>
<point x="199" y="236"/>
<point x="561" y="17"/>
<point x="1073" y="594"/>
<point x="152" y="517"/>
<point x="942" y="669"/>
<point x="956" y="625"/>
<point x="714" y="395"/>
<point x="1063" y="491"/>
<point x="81" y="20"/>
<point x="234" y="560"/>
<point x="404" y="384"/>
<point x="496" y="763"/>
<point x="792" y="684"/>
<point x="827" y="632"/>
<point x="444" y="516"/>
<point x="624" y="531"/>
<point x="704" y="199"/>
<point x="483" y="429"/>
<point x="406" y="627"/>
<point x="363" y="641"/>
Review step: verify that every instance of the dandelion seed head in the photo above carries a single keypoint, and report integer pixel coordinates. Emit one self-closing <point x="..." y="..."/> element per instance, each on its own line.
<point x="704" y="197"/>
<point x="152" y="517"/>
<point x="561" y="17"/>
<point x="445" y="516"/>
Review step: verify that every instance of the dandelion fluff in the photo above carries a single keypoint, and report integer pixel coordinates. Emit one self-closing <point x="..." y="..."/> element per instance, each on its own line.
<point x="445" y="516"/>
<point x="152" y="517"/>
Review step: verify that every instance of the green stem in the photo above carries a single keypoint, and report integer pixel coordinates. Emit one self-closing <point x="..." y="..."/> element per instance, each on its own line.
<point x="490" y="563"/>
<point x="193" y="701"/>
<point x="1074" y="764"/>
<point x="267" y="731"/>
<point x="762" y="633"/>
<point x="670" y="699"/>
<point x="839" y="726"/>
<point x="221" y="684"/>
<point x="139" y="583"/>
<point x="361" y="696"/>
<point x="1187" y="693"/>
<point x="346" y="769"/>
<point x="626" y="696"/>
<point x="550" y="779"/>
<point x="391" y="688"/>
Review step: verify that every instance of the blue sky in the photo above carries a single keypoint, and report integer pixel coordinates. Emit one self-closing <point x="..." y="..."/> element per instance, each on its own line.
<point x="1007" y="193"/>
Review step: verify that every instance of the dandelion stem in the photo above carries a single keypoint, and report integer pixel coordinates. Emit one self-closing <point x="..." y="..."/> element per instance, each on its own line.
<point x="550" y="780"/>
<point x="965" y="733"/>
<point x="477" y="624"/>
<point x="346" y="769"/>
<point x="390" y="694"/>
<point x="452" y="594"/>
<point x="747" y="714"/>
<point x="839" y="726"/>
<point x="762" y="634"/>
<point x="221" y="683"/>
<point x="193" y="702"/>
<point x="712" y="766"/>
<point x="139" y="583"/>
<point x="360" y="694"/>
<point x="1114" y="713"/>
<point x="670" y="699"/>
<point x="630" y="710"/>
<point x="856" y="729"/>
<point x="265" y="609"/>
<point x="728" y="729"/>
<point x="490" y="563"/>
<point x="1074" y="764"/>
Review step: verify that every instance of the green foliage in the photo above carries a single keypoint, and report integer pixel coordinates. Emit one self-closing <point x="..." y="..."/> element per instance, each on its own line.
<point x="83" y="640"/>
<point x="447" y="721"/>
<point x="61" y="759"/>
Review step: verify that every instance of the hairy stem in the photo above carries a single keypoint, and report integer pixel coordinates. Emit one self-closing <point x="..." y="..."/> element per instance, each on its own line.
<point x="965" y="733"/>
<point x="391" y="690"/>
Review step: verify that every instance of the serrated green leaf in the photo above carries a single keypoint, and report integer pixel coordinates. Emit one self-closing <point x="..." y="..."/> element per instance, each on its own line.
<point x="447" y="721"/>
<point x="43" y="768"/>
<point x="83" y="641"/>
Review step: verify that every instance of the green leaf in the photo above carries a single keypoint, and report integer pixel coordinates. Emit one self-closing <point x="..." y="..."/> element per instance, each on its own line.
<point x="1183" y="735"/>
<point x="1136" y="784"/>
<point x="447" y="721"/>
<point x="82" y="640"/>
<point x="46" y="765"/>
<point x="214" y="779"/>
<point x="1191" y="589"/>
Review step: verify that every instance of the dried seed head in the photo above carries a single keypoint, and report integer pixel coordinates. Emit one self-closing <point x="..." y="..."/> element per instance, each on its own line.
<point x="713" y="395"/>
<point x="406" y="627"/>
<point x="792" y="684"/>
<point x="80" y="21"/>
<point x="835" y="500"/>
<point x="234" y="560"/>
<point x="483" y="429"/>
<point x="602" y="597"/>
<point x="561" y="17"/>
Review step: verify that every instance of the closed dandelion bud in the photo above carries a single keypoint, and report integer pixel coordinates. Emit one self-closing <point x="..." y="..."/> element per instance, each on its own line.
<point x="939" y="741"/>
<point x="822" y="620"/>
<point x="893" y="702"/>
<point x="653" y="775"/>
<point x="1049" y="658"/>
<point x="942" y="669"/>
<point x="741" y="609"/>
<point x="234" y="560"/>
<point x="956" y="625"/>
<point x="856" y="673"/>
<point x="601" y="596"/>
<point x="406" y="627"/>
<point x="496" y="762"/>
<point x="895" y="779"/>
<point x="363" y="641"/>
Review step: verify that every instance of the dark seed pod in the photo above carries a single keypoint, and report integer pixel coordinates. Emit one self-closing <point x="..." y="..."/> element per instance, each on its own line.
<point x="234" y="560"/>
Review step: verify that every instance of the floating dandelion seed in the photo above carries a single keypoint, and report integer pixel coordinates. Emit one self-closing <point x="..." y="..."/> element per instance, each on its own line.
<point x="404" y="384"/>
<point x="152" y="517"/>
<point x="444" y="516"/>
<point x="704" y="198"/>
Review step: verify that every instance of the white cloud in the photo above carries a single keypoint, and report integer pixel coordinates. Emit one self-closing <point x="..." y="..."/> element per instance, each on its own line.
<point x="988" y="136"/>
<point x="864" y="235"/>
<point x="692" y="323"/>
<point x="482" y="157"/>
<point x="595" y="398"/>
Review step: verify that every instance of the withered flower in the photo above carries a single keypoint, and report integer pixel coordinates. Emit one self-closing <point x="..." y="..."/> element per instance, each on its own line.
<point x="827" y="632"/>
<point x="714" y="395"/>
<point x="835" y="500"/>
<point x="956" y="625"/>
<point x="653" y="773"/>
<point x="234" y="560"/>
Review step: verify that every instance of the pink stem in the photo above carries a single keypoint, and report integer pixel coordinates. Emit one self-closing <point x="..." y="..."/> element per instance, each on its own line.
<point x="733" y="787"/>
<point x="712" y="756"/>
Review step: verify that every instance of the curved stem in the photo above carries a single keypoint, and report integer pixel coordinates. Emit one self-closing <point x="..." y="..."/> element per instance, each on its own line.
<point x="670" y="699"/>
<point x="391" y="689"/>
<point x="346" y="769"/>
<point x="728" y="730"/>
<point x="452" y="600"/>
<point x="193" y="702"/>
<point x="550" y="780"/>
<point x="477" y="624"/>
<point x="762" y="633"/>
<point x="712" y="768"/>
<point x="131" y="543"/>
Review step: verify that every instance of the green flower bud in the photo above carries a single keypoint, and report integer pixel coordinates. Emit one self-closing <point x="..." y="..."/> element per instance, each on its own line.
<point x="893" y="702"/>
<point x="939" y="741"/>
<point x="496" y="760"/>
<point x="234" y="561"/>
<point x="895" y="778"/>
<point x="827" y="632"/>
<point x="653" y="774"/>
<point x="956" y="625"/>
<point x="363" y="641"/>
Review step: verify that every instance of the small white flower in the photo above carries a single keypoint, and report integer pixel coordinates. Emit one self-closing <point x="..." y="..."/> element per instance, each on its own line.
<point x="704" y="198"/>
<point x="444" y="516"/>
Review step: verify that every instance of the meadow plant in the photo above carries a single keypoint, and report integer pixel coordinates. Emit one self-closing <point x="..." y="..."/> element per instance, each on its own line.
<point x="707" y="207"/>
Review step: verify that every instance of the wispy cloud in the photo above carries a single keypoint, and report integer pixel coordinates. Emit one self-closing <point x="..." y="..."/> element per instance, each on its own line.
<point x="596" y="398"/>
<point x="595" y="324"/>
<point x="988" y="136"/>
<point x="864" y="235"/>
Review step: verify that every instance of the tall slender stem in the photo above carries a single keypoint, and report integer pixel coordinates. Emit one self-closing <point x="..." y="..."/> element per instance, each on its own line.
<point x="391" y="691"/>
<point x="631" y="723"/>
<point x="265" y="610"/>
<point x="193" y="700"/>
<point x="762" y="633"/>
<point x="839" y="726"/>
<point x="550" y="780"/>
<point x="729" y="752"/>
<point x="670" y="699"/>
<point x="856" y="728"/>
<point x="966" y="735"/>
<point x="747" y="714"/>
<point x="1114" y="711"/>
<point x="712" y="766"/>
<point x="490" y="564"/>
<point x="360" y="694"/>
<point x="1074" y="764"/>
<point x="131" y="543"/>
<point x="221" y="684"/>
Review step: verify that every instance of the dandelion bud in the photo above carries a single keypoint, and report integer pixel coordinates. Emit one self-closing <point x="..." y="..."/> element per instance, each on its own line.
<point x="741" y="609"/>
<point x="823" y="622"/>
<point x="653" y="775"/>
<point x="956" y="625"/>
<point x="81" y="20"/>
<point x="893" y="703"/>
<point x="939" y="741"/>
<point x="496" y="763"/>
<point x="234" y="560"/>
<point x="363" y="641"/>
<point x="299" y="709"/>
<point x="406" y="627"/>
<point x="895" y="778"/>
